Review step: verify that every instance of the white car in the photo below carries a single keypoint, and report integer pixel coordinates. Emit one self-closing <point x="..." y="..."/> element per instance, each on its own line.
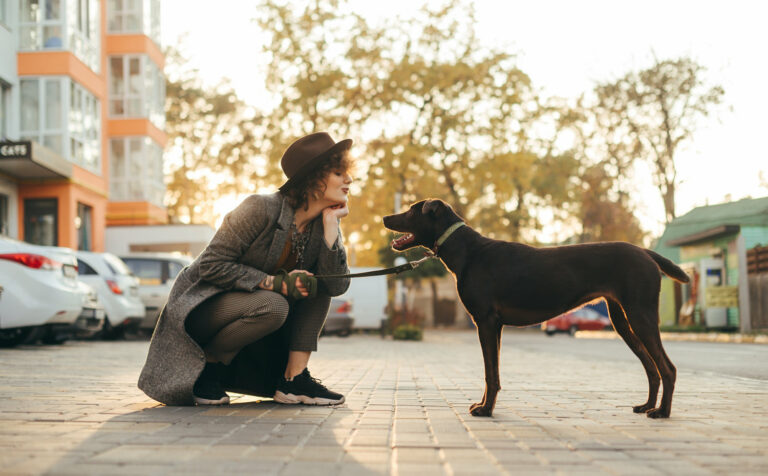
<point x="117" y="288"/>
<point x="40" y="288"/>
<point x="156" y="273"/>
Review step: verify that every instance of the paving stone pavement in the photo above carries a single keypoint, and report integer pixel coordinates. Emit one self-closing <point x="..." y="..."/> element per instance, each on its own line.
<point x="75" y="409"/>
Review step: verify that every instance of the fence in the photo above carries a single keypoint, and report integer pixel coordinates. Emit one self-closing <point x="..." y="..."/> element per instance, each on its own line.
<point x="757" y="274"/>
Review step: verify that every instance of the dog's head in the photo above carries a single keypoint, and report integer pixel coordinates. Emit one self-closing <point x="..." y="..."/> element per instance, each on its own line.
<point x="422" y="224"/>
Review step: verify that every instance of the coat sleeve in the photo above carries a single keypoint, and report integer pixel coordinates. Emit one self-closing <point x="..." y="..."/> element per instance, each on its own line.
<point x="219" y="261"/>
<point x="333" y="261"/>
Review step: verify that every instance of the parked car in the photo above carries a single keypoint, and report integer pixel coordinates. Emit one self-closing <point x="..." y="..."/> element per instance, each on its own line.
<point x="117" y="288"/>
<point x="583" y="319"/>
<point x="40" y="289"/>
<point x="156" y="273"/>
<point x="340" y="318"/>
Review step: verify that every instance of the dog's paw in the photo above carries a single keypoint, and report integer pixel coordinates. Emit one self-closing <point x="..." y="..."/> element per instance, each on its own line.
<point x="478" y="409"/>
<point x="642" y="408"/>
<point x="658" y="413"/>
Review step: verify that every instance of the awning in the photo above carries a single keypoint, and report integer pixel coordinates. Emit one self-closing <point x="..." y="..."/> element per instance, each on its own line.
<point x="29" y="160"/>
<point x="712" y="233"/>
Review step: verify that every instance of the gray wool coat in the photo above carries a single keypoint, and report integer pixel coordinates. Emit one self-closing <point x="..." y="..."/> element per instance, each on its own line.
<point x="249" y="241"/>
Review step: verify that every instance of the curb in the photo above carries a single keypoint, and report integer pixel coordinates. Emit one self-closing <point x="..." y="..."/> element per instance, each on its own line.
<point x="685" y="336"/>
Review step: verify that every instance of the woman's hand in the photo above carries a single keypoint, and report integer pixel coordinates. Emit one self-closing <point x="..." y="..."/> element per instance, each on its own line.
<point x="332" y="214"/>
<point x="331" y="217"/>
<point x="269" y="283"/>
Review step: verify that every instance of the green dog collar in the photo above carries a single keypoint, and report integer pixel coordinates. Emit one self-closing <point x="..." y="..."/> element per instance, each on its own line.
<point x="448" y="233"/>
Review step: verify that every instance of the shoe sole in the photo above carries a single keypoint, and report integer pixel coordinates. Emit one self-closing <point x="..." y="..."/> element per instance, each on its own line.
<point x="291" y="399"/>
<point x="205" y="401"/>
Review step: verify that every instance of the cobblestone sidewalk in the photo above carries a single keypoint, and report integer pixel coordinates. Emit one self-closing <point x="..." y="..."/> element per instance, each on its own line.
<point x="75" y="409"/>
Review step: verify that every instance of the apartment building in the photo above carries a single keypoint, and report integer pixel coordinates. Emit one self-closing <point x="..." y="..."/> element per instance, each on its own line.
<point x="82" y="97"/>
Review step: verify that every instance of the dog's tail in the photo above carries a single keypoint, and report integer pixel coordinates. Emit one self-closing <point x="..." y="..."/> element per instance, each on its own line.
<point x="669" y="268"/>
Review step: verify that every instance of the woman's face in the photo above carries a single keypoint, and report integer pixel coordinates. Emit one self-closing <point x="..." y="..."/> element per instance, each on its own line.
<point x="337" y="186"/>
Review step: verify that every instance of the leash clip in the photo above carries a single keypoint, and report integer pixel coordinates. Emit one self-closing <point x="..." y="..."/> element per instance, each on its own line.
<point x="415" y="264"/>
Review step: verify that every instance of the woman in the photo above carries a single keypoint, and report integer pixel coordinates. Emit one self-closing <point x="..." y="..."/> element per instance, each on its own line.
<point x="218" y="328"/>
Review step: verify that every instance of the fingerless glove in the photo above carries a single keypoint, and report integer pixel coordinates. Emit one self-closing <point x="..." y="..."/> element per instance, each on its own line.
<point x="309" y="282"/>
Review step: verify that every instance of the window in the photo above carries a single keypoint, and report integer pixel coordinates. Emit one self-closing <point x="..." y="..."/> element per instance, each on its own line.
<point x="83" y="20"/>
<point x="4" y="225"/>
<point x="84" y="269"/>
<point x="136" y="170"/>
<point x="136" y="89"/>
<point x="62" y="25"/>
<point x="150" y="272"/>
<point x="134" y="16"/>
<point x="41" y="221"/>
<point x="41" y="25"/>
<point x="60" y="114"/>
<point x="84" y="226"/>
<point x="42" y="112"/>
<point x="3" y="112"/>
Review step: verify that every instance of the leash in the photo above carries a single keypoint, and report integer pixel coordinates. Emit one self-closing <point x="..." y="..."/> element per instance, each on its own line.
<point x="393" y="270"/>
<point x="403" y="267"/>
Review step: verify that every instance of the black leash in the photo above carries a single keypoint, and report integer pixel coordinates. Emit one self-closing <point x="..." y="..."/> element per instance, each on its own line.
<point x="394" y="270"/>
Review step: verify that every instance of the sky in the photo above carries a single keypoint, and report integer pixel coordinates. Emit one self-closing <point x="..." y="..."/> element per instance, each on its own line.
<point x="566" y="47"/>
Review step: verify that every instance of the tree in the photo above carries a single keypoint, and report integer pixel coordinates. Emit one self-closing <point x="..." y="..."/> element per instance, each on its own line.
<point x="215" y="144"/>
<point x="658" y="109"/>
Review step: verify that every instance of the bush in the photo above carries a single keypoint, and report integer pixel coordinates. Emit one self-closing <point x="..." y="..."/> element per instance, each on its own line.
<point x="407" y="332"/>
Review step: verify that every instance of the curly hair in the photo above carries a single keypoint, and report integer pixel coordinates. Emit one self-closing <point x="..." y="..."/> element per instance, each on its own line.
<point x="313" y="185"/>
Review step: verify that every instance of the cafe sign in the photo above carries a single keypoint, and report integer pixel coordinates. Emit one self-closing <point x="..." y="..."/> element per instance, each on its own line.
<point x="16" y="150"/>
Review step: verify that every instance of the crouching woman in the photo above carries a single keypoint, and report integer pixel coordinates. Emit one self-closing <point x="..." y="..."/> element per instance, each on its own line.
<point x="247" y="313"/>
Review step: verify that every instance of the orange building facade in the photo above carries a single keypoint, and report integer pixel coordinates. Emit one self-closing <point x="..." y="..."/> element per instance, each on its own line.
<point x="81" y="119"/>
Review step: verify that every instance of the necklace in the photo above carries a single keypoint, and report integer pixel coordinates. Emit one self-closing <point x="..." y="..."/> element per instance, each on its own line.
<point x="298" y="244"/>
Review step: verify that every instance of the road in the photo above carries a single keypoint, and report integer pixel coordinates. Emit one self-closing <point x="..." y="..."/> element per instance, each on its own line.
<point x="735" y="360"/>
<point x="564" y="409"/>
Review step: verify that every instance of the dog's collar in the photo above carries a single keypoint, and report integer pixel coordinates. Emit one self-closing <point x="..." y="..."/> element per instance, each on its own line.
<point x="447" y="233"/>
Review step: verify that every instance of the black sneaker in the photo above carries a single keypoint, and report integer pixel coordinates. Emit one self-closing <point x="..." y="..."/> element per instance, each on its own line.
<point x="306" y="389"/>
<point x="207" y="389"/>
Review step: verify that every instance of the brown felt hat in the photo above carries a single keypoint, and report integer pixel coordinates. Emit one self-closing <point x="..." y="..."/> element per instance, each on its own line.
<point x="307" y="154"/>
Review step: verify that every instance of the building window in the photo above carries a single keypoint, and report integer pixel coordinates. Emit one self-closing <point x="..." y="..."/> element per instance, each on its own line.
<point x="4" y="224"/>
<point x="136" y="89"/>
<point x="62" y="25"/>
<point x="60" y="114"/>
<point x="134" y="16"/>
<point x="84" y="226"/>
<point x="41" y="221"/>
<point x="3" y="111"/>
<point x="136" y="170"/>
<point x="83" y="19"/>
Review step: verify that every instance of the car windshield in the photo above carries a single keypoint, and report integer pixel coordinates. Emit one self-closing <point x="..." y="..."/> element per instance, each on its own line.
<point x="116" y="265"/>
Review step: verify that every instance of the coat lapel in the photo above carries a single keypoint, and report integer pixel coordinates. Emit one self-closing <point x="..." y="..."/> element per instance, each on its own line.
<point x="316" y="237"/>
<point x="282" y="229"/>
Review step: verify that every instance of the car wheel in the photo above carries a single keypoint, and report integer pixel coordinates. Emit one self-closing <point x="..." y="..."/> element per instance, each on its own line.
<point x="344" y="333"/>
<point x="14" y="337"/>
<point x="572" y="330"/>
<point x="550" y="332"/>
<point x="52" y="338"/>
<point x="108" y="332"/>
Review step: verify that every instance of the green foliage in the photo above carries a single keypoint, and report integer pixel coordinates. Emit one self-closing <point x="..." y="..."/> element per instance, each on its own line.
<point x="407" y="332"/>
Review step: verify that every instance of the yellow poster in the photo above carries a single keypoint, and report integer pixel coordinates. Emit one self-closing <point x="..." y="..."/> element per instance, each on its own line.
<point x="721" y="296"/>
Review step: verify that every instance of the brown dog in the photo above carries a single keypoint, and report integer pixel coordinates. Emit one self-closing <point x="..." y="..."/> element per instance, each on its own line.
<point x="502" y="283"/>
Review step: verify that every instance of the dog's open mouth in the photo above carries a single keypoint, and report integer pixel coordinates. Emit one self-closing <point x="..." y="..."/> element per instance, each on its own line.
<point x="403" y="241"/>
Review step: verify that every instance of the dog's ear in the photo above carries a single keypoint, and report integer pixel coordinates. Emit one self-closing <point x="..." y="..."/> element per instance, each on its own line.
<point x="430" y="206"/>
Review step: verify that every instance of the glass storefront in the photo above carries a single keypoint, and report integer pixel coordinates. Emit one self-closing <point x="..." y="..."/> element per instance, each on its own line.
<point x="41" y="221"/>
<point x="84" y="225"/>
<point x="4" y="223"/>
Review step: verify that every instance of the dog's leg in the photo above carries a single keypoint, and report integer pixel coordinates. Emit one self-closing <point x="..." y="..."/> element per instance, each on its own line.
<point x="644" y="322"/>
<point x="489" y="333"/>
<point x="619" y="320"/>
